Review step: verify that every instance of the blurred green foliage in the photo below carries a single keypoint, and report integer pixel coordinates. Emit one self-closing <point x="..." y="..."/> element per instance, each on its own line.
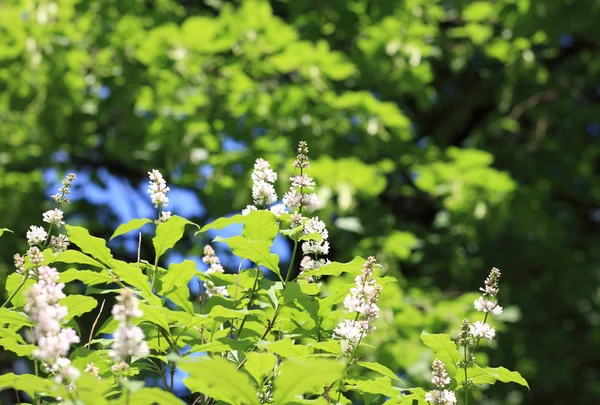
<point x="446" y="136"/>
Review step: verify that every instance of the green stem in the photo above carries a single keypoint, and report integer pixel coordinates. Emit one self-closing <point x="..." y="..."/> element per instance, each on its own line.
<point x="292" y="259"/>
<point x="154" y="273"/>
<point x="466" y="377"/>
<point x="16" y="291"/>
<point x="241" y="328"/>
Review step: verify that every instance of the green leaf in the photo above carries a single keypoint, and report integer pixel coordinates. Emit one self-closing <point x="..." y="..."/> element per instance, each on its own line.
<point x="380" y="368"/>
<point x="26" y="382"/>
<point x="222" y="314"/>
<point x="260" y="225"/>
<point x="149" y="396"/>
<point x="12" y="345"/>
<point x="132" y="225"/>
<point x="13" y="281"/>
<point x="169" y="233"/>
<point x="219" y="379"/>
<point x="87" y="277"/>
<point x="489" y="375"/>
<point x="257" y="251"/>
<point x="155" y="316"/>
<point x="13" y="318"/>
<point x="381" y="385"/>
<point x="309" y="376"/>
<point x="335" y="268"/>
<point x="285" y="348"/>
<point x="221" y="223"/>
<point x="179" y="275"/>
<point x="75" y="256"/>
<point x="95" y="247"/>
<point x="444" y="348"/>
<point x="78" y="305"/>
<point x="133" y="276"/>
<point x="259" y="365"/>
<point x="2" y="230"/>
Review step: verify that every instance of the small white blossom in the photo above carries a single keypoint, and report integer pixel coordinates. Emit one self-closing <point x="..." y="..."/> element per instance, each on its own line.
<point x="59" y="243"/>
<point x="52" y="340"/>
<point x="278" y="209"/>
<point x="54" y="216"/>
<point x="314" y="247"/>
<point x="302" y="180"/>
<point x="263" y="193"/>
<point x="36" y="234"/>
<point x="292" y="199"/>
<point x="491" y="287"/>
<point x="248" y="209"/>
<point x="158" y="189"/>
<point x="92" y="369"/>
<point x="164" y="216"/>
<point x="441" y="397"/>
<point x="483" y="330"/>
<point x="35" y="256"/>
<point x="128" y="338"/>
<point x="19" y="263"/>
<point x="440" y="379"/>
<point x="314" y="225"/>
<point x="214" y="263"/>
<point x="263" y="177"/>
<point x="263" y="172"/>
<point x="483" y="305"/>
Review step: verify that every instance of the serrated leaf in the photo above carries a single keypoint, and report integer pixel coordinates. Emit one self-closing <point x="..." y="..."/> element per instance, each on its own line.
<point x="93" y="246"/>
<point x="381" y="385"/>
<point x="257" y="251"/>
<point x="132" y="225"/>
<point x="220" y="313"/>
<point x="380" y="368"/>
<point x="219" y="379"/>
<point x="259" y="365"/>
<point x="20" y="350"/>
<point x="26" y="382"/>
<point x="260" y="225"/>
<point x="78" y="305"/>
<point x="13" y="318"/>
<point x="285" y="348"/>
<point x="75" y="256"/>
<point x="221" y="223"/>
<point x="134" y="276"/>
<point x="301" y="377"/>
<point x="169" y="233"/>
<point x="87" y="277"/>
<point x="444" y="348"/>
<point x="178" y="275"/>
<point x="155" y="316"/>
<point x="489" y="375"/>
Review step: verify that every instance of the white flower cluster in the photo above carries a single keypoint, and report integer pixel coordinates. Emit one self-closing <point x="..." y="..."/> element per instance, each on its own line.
<point x="314" y="225"/>
<point x="128" y="338"/>
<point x="296" y="198"/>
<point x="214" y="263"/>
<point x="482" y="330"/>
<point x="54" y="217"/>
<point x="440" y="379"/>
<point x="488" y="306"/>
<point x="158" y="190"/>
<point x="363" y="300"/>
<point x="52" y="340"/>
<point x="316" y="248"/>
<point x="263" y="177"/>
<point x="36" y="235"/>
<point x="64" y="190"/>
